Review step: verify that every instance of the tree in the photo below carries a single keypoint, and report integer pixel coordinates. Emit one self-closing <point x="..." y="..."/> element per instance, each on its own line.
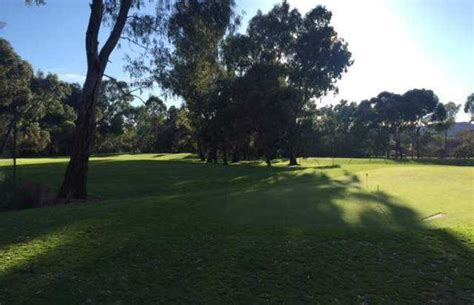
<point x="469" y="106"/>
<point x="55" y="118"/>
<point x="417" y="110"/>
<point x="365" y="127"/>
<point x="128" y="20"/>
<point x="15" y="94"/>
<point x="43" y="119"/>
<point x="466" y="149"/>
<point x="312" y="56"/>
<point x="391" y="118"/>
<point x="451" y="110"/>
<point x="151" y="118"/>
<point x="75" y="179"/>
<point x="113" y="107"/>
<point x="174" y="134"/>
<point x="195" y="30"/>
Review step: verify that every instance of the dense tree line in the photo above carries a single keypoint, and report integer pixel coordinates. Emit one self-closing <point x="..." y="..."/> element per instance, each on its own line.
<point x="46" y="109"/>
<point x="242" y="123"/>
<point x="246" y="95"/>
<point x="249" y="95"/>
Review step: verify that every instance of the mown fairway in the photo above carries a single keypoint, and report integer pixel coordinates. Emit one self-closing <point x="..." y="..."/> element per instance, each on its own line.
<point x="167" y="229"/>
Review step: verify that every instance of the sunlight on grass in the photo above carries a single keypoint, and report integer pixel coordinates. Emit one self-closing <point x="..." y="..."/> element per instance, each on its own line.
<point x="21" y="254"/>
<point x="164" y="222"/>
<point x="428" y="190"/>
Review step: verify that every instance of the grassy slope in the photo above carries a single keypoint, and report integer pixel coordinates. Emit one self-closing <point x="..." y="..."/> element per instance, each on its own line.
<point x="172" y="230"/>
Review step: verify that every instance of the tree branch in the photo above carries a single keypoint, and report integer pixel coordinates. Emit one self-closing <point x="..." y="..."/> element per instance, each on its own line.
<point x="129" y="93"/>
<point x="92" y="34"/>
<point x="116" y="31"/>
<point x="130" y="40"/>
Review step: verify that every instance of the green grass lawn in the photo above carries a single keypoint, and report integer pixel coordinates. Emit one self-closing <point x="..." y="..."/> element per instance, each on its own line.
<point x="168" y="229"/>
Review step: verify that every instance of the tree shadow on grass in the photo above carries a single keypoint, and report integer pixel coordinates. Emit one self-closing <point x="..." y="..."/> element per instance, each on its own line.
<point x="180" y="233"/>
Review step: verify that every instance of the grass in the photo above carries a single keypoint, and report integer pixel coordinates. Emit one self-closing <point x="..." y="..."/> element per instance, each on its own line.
<point x="168" y="229"/>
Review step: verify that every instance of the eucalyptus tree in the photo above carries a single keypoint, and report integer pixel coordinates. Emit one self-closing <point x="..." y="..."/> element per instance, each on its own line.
<point x="113" y="105"/>
<point x="54" y="117"/>
<point x="266" y="99"/>
<point x="469" y="106"/>
<point x="309" y="50"/>
<point x="390" y="109"/>
<point x="418" y="106"/>
<point x="138" y="23"/>
<point x="447" y="121"/>
<point x="195" y="31"/>
<point x="175" y="133"/>
<point x="15" y="93"/>
<point x="365" y="128"/>
<point x="32" y="106"/>
<point x="150" y="120"/>
<point x="345" y="137"/>
<point x="75" y="179"/>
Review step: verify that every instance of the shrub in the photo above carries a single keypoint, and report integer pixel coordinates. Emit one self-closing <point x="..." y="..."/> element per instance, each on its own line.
<point x="464" y="151"/>
<point x="440" y="152"/>
<point x="25" y="195"/>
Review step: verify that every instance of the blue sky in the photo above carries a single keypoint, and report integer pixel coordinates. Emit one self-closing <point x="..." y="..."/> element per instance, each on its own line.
<point x="396" y="44"/>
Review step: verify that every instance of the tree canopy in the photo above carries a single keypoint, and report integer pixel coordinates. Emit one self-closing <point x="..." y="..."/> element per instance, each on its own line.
<point x="247" y="95"/>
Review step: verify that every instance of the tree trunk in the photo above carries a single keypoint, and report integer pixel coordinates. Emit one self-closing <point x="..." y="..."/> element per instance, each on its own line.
<point x="224" y="155"/>
<point x="74" y="184"/>
<point x="5" y="140"/>
<point x="268" y="161"/>
<point x="446" y="141"/>
<point x="15" y="130"/>
<point x="418" y="150"/>
<point x="235" y="156"/>
<point x="202" y="157"/>
<point x="214" y="153"/>
<point x="293" y="160"/>
<point x="398" y="145"/>
<point x="75" y="179"/>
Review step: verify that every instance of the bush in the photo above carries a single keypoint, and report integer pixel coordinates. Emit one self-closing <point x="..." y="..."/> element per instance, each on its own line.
<point x="25" y="195"/>
<point x="440" y="153"/>
<point x="464" y="151"/>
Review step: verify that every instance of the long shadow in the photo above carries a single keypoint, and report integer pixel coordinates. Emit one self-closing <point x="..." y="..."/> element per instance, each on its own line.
<point x="174" y="232"/>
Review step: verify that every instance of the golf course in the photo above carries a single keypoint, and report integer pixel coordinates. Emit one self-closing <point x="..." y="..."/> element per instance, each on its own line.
<point x="166" y="228"/>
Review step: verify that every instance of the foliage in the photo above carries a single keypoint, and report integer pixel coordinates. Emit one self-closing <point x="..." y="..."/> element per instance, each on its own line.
<point x="466" y="148"/>
<point x="246" y="96"/>
<point x="306" y="56"/>
<point x="469" y="106"/>
<point x="23" y="195"/>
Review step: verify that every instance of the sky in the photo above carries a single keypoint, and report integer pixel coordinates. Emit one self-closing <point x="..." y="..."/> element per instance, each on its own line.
<point x="397" y="45"/>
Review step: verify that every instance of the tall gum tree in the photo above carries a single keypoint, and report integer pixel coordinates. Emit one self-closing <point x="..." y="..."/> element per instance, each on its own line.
<point x="75" y="179"/>
<point x="312" y="55"/>
<point x="195" y="31"/>
<point x="128" y="20"/>
<point x="469" y="107"/>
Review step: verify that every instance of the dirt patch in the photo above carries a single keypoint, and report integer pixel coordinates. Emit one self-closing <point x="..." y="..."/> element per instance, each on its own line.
<point x="434" y="216"/>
